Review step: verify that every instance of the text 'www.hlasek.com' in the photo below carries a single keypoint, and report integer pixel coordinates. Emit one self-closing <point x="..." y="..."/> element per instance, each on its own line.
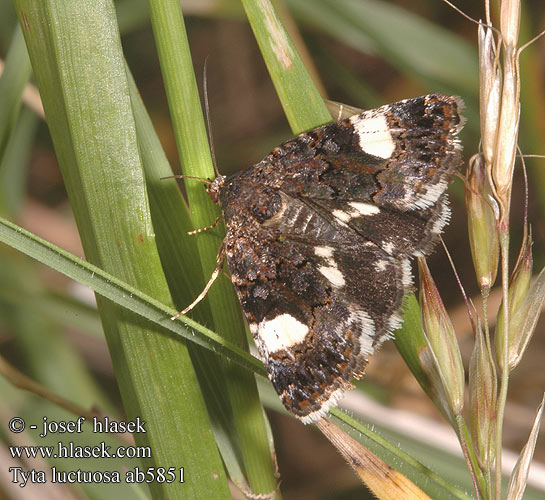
<point x="86" y="444"/>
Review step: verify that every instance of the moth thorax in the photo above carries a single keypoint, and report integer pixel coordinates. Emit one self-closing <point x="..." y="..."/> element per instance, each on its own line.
<point x="215" y="188"/>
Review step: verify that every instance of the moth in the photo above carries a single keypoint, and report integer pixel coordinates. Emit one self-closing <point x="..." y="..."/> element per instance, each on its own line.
<point x="320" y="234"/>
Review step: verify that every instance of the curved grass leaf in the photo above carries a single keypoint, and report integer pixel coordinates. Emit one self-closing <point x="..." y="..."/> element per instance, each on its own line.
<point x="14" y="77"/>
<point x="284" y="80"/>
<point x="413" y="44"/>
<point x="123" y="294"/>
<point x="177" y="250"/>
<point x="301" y="101"/>
<point x="78" y="64"/>
<point x="247" y="419"/>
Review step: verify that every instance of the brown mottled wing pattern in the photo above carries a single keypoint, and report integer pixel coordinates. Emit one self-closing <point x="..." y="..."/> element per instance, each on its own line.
<point x="319" y="236"/>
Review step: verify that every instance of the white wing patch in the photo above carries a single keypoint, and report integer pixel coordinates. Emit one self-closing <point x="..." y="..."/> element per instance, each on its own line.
<point x="363" y="208"/>
<point x="427" y="198"/>
<point x="333" y="275"/>
<point x="358" y="209"/>
<point x="407" y="276"/>
<point x="330" y="271"/>
<point x="342" y="216"/>
<point x="442" y="219"/>
<point x="381" y="265"/>
<point x="325" y="252"/>
<point x="281" y="332"/>
<point x="374" y="135"/>
<point x="368" y="331"/>
<point x="388" y="248"/>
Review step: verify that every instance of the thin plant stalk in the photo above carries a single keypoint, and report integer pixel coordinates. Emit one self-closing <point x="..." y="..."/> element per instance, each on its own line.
<point x="504" y="376"/>
<point x="469" y="456"/>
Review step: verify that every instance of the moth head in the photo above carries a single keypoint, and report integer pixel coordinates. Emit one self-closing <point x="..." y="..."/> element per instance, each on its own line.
<point x="215" y="187"/>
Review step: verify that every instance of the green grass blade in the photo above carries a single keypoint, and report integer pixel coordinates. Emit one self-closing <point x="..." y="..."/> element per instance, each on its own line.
<point x="410" y="341"/>
<point x="248" y="423"/>
<point x="413" y="45"/>
<point x="314" y="116"/>
<point x="301" y="101"/>
<point x="16" y="74"/>
<point x="78" y="64"/>
<point x="171" y="223"/>
<point x="14" y="162"/>
<point x="408" y="41"/>
<point x="122" y="293"/>
<point x="47" y="355"/>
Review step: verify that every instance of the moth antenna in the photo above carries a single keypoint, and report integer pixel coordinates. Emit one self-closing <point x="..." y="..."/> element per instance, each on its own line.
<point x="219" y="264"/>
<point x="207" y="111"/>
<point x="202" y="179"/>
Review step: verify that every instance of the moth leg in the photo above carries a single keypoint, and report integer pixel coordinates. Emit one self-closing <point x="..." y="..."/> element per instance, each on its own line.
<point x="211" y="226"/>
<point x="219" y="265"/>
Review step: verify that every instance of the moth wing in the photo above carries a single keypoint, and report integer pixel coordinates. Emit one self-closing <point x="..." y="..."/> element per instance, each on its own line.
<point x="319" y="234"/>
<point x="400" y="156"/>
<point x="402" y="234"/>
<point x="319" y="299"/>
